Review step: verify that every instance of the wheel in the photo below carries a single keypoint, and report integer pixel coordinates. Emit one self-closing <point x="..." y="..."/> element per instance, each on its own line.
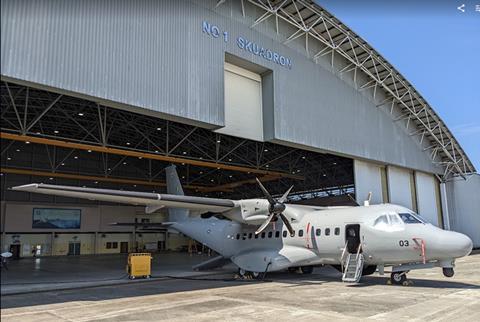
<point x="292" y="270"/>
<point x="448" y="271"/>
<point x="398" y="278"/>
<point x="306" y="269"/>
<point x="131" y="277"/>
<point x="256" y="275"/>
<point x="242" y="272"/>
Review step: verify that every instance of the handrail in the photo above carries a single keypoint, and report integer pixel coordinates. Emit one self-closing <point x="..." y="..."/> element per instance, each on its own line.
<point x="358" y="251"/>
<point x="343" y="254"/>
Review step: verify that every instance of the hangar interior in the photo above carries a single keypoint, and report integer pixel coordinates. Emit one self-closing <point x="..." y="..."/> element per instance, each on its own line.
<point x="333" y="118"/>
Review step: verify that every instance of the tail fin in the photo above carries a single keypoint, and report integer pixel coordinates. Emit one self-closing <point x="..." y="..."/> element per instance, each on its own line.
<point x="174" y="187"/>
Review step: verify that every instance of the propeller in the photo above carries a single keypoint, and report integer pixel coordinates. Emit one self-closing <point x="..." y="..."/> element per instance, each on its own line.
<point x="276" y="209"/>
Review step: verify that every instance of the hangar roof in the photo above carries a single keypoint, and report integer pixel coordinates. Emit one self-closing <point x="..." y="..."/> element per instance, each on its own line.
<point x="314" y="23"/>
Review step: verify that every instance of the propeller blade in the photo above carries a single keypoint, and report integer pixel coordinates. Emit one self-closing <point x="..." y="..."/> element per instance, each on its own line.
<point x="287" y="224"/>
<point x="266" y="193"/>
<point x="285" y="195"/>
<point x="265" y="224"/>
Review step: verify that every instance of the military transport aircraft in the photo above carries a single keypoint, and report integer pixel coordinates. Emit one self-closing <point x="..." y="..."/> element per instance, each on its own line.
<point x="265" y="235"/>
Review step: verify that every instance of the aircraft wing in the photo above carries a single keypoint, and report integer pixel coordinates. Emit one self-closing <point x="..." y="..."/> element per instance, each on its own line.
<point x="152" y="201"/>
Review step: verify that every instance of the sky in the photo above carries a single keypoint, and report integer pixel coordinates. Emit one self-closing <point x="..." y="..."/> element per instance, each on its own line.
<point x="435" y="46"/>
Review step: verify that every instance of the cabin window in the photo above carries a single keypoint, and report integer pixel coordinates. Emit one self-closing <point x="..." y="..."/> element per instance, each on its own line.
<point x="270" y="234"/>
<point x="318" y="232"/>
<point x="263" y="234"/>
<point x="337" y="231"/>
<point x="293" y="233"/>
<point x="256" y="236"/>
<point x="327" y="231"/>
<point x="277" y="234"/>
<point x="300" y="233"/>
<point x="250" y="236"/>
<point x="238" y="236"/>
<point x="284" y="233"/>
<point x="244" y="236"/>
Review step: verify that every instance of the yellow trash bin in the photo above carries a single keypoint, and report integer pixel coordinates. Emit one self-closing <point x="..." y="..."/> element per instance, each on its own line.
<point x="139" y="265"/>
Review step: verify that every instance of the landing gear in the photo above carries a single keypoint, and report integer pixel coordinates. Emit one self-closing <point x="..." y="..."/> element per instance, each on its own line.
<point x="247" y="275"/>
<point x="448" y="271"/>
<point x="398" y="278"/>
<point x="306" y="269"/>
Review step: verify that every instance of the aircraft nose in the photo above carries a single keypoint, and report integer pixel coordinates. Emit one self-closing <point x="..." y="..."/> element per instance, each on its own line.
<point x="462" y="245"/>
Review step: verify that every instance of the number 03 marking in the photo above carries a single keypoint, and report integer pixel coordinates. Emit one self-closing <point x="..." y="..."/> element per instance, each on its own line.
<point x="403" y="243"/>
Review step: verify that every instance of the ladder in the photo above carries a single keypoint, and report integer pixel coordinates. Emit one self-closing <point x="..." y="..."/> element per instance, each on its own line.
<point x="353" y="267"/>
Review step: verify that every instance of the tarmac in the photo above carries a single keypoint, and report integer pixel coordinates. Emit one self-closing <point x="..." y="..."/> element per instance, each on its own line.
<point x="281" y="297"/>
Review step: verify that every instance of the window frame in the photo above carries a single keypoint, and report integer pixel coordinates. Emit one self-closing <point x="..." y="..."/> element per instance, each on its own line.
<point x="327" y="231"/>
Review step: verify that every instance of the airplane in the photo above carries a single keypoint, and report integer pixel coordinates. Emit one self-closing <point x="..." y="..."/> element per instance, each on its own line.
<point x="267" y="235"/>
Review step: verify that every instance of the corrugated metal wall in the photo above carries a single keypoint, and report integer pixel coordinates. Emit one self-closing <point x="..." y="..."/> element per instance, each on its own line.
<point x="154" y="56"/>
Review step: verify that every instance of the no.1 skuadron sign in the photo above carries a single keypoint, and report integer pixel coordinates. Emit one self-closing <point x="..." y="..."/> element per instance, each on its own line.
<point x="247" y="45"/>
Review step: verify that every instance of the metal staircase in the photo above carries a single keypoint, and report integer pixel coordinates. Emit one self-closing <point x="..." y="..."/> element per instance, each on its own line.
<point x="353" y="267"/>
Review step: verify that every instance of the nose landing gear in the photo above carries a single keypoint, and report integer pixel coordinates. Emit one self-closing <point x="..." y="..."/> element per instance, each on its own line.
<point x="399" y="278"/>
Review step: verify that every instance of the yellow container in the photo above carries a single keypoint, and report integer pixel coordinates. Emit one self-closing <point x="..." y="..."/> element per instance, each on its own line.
<point x="139" y="265"/>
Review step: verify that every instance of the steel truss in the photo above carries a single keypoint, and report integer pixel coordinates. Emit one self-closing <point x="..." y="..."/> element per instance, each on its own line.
<point x="59" y="137"/>
<point x="325" y="35"/>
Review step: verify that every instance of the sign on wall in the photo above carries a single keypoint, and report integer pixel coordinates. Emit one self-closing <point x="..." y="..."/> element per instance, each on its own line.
<point x="55" y="218"/>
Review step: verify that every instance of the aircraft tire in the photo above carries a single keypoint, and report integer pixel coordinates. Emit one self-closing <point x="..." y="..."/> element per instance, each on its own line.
<point x="397" y="278"/>
<point x="306" y="269"/>
<point x="448" y="271"/>
<point x="369" y="270"/>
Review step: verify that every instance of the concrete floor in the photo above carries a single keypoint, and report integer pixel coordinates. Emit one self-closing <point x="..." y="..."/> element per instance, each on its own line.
<point x="286" y="297"/>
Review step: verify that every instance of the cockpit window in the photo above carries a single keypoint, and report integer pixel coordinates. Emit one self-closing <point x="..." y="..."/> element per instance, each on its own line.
<point x="410" y="218"/>
<point x="381" y="221"/>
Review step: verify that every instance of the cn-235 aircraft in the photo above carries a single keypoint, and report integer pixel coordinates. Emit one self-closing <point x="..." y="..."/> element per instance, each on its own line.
<point x="266" y="235"/>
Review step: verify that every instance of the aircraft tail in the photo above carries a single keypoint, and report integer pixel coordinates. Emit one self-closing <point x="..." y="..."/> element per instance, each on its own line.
<point x="174" y="187"/>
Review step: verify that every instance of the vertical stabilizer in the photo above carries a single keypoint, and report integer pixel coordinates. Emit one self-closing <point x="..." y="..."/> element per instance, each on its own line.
<point x="174" y="187"/>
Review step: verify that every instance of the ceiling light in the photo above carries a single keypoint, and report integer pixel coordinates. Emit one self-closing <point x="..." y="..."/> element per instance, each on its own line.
<point x="303" y="157"/>
<point x="267" y="166"/>
<point x="183" y="177"/>
<point x="50" y="178"/>
<point x="18" y="150"/>
<point x="334" y="163"/>
<point x="229" y="159"/>
<point x="27" y="142"/>
<point x="56" y="132"/>
<point x="109" y="169"/>
<point x="37" y="132"/>
<point x="156" y="151"/>
<point x="159" y="128"/>
<point x="124" y="163"/>
<point x="75" y="157"/>
<point x="96" y="182"/>
<point x="128" y="143"/>
<point x="266" y="150"/>
<point x="230" y="176"/>
<point x="9" y="158"/>
<point x="80" y="114"/>
<point x="218" y="141"/>
<point x="135" y="185"/>
<point x="324" y="175"/>
<point x="140" y="158"/>
<point x="63" y="163"/>
<point x="183" y="163"/>
<point x="201" y="172"/>
<point x="211" y="180"/>
<point x="184" y="152"/>
<point x="89" y="151"/>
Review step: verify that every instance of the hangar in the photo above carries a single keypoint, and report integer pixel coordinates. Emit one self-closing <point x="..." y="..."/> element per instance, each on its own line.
<point x="108" y="94"/>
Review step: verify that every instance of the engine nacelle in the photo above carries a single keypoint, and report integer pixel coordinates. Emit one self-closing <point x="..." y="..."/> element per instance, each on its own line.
<point x="251" y="211"/>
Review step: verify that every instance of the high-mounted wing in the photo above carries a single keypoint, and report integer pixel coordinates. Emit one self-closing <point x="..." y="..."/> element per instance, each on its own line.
<point x="151" y="200"/>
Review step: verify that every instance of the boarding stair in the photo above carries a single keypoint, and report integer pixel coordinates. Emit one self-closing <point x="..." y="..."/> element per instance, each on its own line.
<point x="353" y="267"/>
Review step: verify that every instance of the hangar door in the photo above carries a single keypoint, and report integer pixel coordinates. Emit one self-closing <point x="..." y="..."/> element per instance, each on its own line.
<point x="428" y="197"/>
<point x="370" y="177"/>
<point x="243" y="103"/>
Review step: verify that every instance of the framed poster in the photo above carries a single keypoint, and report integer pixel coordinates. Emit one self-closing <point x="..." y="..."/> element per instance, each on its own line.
<point x="56" y="218"/>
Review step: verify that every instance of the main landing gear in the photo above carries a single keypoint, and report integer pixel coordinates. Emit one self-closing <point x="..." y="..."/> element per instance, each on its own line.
<point x="247" y="275"/>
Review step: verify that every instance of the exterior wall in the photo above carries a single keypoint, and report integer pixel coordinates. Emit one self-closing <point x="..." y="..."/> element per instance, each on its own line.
<point x="156" y="57"/>
<point x="464" y="206"/>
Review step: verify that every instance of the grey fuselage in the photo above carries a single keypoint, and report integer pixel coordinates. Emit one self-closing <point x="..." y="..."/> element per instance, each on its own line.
<point x="387" y="245"/>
